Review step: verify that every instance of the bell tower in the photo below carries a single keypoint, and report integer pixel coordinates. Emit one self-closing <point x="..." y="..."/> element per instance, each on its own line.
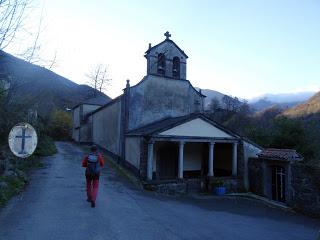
<point x="166" y="59"/>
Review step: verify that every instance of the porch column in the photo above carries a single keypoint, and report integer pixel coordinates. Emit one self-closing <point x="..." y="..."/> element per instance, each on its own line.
<point x="181" y="149"/>
<point x="234" y="159"/>
<point x="211" y="156"/>
<point x="150" y="161"/>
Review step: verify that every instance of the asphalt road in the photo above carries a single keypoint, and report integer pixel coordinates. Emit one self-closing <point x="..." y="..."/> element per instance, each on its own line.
<point x="54" y="207"/>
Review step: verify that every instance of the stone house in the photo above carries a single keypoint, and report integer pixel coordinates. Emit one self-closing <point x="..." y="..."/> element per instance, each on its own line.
<point x="158" y="129"/>
<point x="282" y="175"/>
<point x="270" y="173"/>
<point x="82" y="121"/>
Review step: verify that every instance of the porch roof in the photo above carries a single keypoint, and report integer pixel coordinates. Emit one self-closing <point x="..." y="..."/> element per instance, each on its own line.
<point x="158" y="127"/>
<point x="280" y="154"/>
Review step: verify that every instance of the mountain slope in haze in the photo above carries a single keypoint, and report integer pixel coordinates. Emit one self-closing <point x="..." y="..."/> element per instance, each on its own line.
<point x="264" y="104"/>
<point x="285" y="97"/>
<point x="310" y="107"/>
<point x="212" y="94"/>
<point x="282" y="100"/>
<point x="41" y="89"/>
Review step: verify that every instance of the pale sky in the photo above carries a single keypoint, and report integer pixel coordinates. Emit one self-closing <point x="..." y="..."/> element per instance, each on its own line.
<point x="240" y="48"/>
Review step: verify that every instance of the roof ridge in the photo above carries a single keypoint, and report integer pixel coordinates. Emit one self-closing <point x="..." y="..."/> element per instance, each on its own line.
<point x="167" y="40"/>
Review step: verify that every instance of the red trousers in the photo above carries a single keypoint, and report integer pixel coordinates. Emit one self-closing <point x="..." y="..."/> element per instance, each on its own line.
<point x="92" y="188"/>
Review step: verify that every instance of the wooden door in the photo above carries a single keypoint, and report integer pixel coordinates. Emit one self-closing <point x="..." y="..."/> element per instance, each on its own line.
<point x="278" y="183"/>
<point x="168" y="161"/>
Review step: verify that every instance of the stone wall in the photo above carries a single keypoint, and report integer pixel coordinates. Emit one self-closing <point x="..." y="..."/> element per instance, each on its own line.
<point x="76" y="117"/>
<point x="249" y="150"/>
<point x="133" y="151"/>
<point x="305" y="189"/>
<point x="143" y="158"/>
<point x="303" y="193"/>
<point x="255" y="174"/>
<point x="168" y="188"/>
<point x="106" y="127"/>
<point x="170" y="51"/>
<point x="75" y="123"/>
<point x="86" y="131"/>
<point x="156" y="98"/>
<point x="241" y="160"/>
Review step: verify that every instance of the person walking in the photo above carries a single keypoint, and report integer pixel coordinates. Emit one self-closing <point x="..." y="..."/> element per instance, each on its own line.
<point x="93" y="162"/>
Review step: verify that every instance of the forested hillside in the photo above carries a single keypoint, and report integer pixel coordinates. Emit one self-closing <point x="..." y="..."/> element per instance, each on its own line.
<point x="39" y="88"/>
<point x="297" y="128"/>
<point x="310" y="107"/>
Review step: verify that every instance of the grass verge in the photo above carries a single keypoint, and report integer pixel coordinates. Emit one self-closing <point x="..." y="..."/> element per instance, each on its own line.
<point x="15" y="179"/>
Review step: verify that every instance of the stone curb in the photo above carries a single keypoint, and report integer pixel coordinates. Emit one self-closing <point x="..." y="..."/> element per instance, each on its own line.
<point x="125" y="172"/>
<point x="266" y="201"/>
<point x="249" y="196"/>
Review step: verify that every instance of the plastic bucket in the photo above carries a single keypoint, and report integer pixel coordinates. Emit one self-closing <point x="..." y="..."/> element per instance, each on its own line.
<point x="219" y="191"/>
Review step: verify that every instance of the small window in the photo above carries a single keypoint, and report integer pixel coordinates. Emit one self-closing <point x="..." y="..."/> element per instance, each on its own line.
<point x="176" y="67"/>
<point x="161" y="64"/>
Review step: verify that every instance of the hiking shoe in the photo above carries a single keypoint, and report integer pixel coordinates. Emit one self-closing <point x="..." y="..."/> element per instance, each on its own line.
<point x="93" y="204"/>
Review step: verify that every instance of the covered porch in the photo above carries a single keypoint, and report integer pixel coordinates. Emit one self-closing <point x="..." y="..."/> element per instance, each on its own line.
<point x="171" y="158"/>
<point x="186" y="149"/>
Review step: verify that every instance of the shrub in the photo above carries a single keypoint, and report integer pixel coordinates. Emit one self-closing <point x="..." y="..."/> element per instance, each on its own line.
<point x="60" y="125"/>
<point x="46" y="146"/>
<point x="217" y="183"/>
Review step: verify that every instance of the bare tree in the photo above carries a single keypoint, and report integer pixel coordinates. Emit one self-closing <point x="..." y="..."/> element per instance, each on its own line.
<point x="214" y="105"/>
<point x="236" y="104"/>
<point x="12" y="13"/>
<point x="98" y="78"/>
<point x="227" y="101"/>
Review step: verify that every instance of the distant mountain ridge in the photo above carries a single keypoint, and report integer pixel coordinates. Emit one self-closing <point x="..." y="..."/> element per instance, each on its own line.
<point x="282" y="100"/>
<point x="310" y="107"/>
<point x="42" y="89"/>
<point x="285" y="97"/>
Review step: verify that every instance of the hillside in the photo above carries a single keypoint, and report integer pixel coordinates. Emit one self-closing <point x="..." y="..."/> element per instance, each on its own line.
<point x="264" y="104"/>
<point x="310" y="107"/>
<point x="39" y="88"/>
<point x="282" y="100"/>
<point x="212" y="94"/>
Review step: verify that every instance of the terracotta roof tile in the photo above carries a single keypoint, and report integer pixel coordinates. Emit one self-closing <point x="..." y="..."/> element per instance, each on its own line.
<point x="280" y="154"/>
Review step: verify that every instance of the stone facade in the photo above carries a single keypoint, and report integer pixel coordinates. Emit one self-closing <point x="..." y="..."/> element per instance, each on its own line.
<point x="106" y="127"/>
<point x="171" y="54"/>
<point x="173" y="188"/>
<point x="82" y="122"/>
<point x="248" y="150"/>
<point x="256" y="177"/>
<point x="156" y="98"/>
<point x="143" y="158"/>
<point x="305" y="189"/>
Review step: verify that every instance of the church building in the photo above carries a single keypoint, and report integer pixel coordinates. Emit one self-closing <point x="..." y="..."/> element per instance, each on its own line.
<point x="157" y="128"/>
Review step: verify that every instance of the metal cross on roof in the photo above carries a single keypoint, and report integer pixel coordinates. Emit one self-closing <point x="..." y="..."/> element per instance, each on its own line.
<point x="167" y="34"/>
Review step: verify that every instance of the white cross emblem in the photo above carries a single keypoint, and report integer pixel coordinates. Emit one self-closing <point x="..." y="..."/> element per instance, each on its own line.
<point x="23" y="140"/>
